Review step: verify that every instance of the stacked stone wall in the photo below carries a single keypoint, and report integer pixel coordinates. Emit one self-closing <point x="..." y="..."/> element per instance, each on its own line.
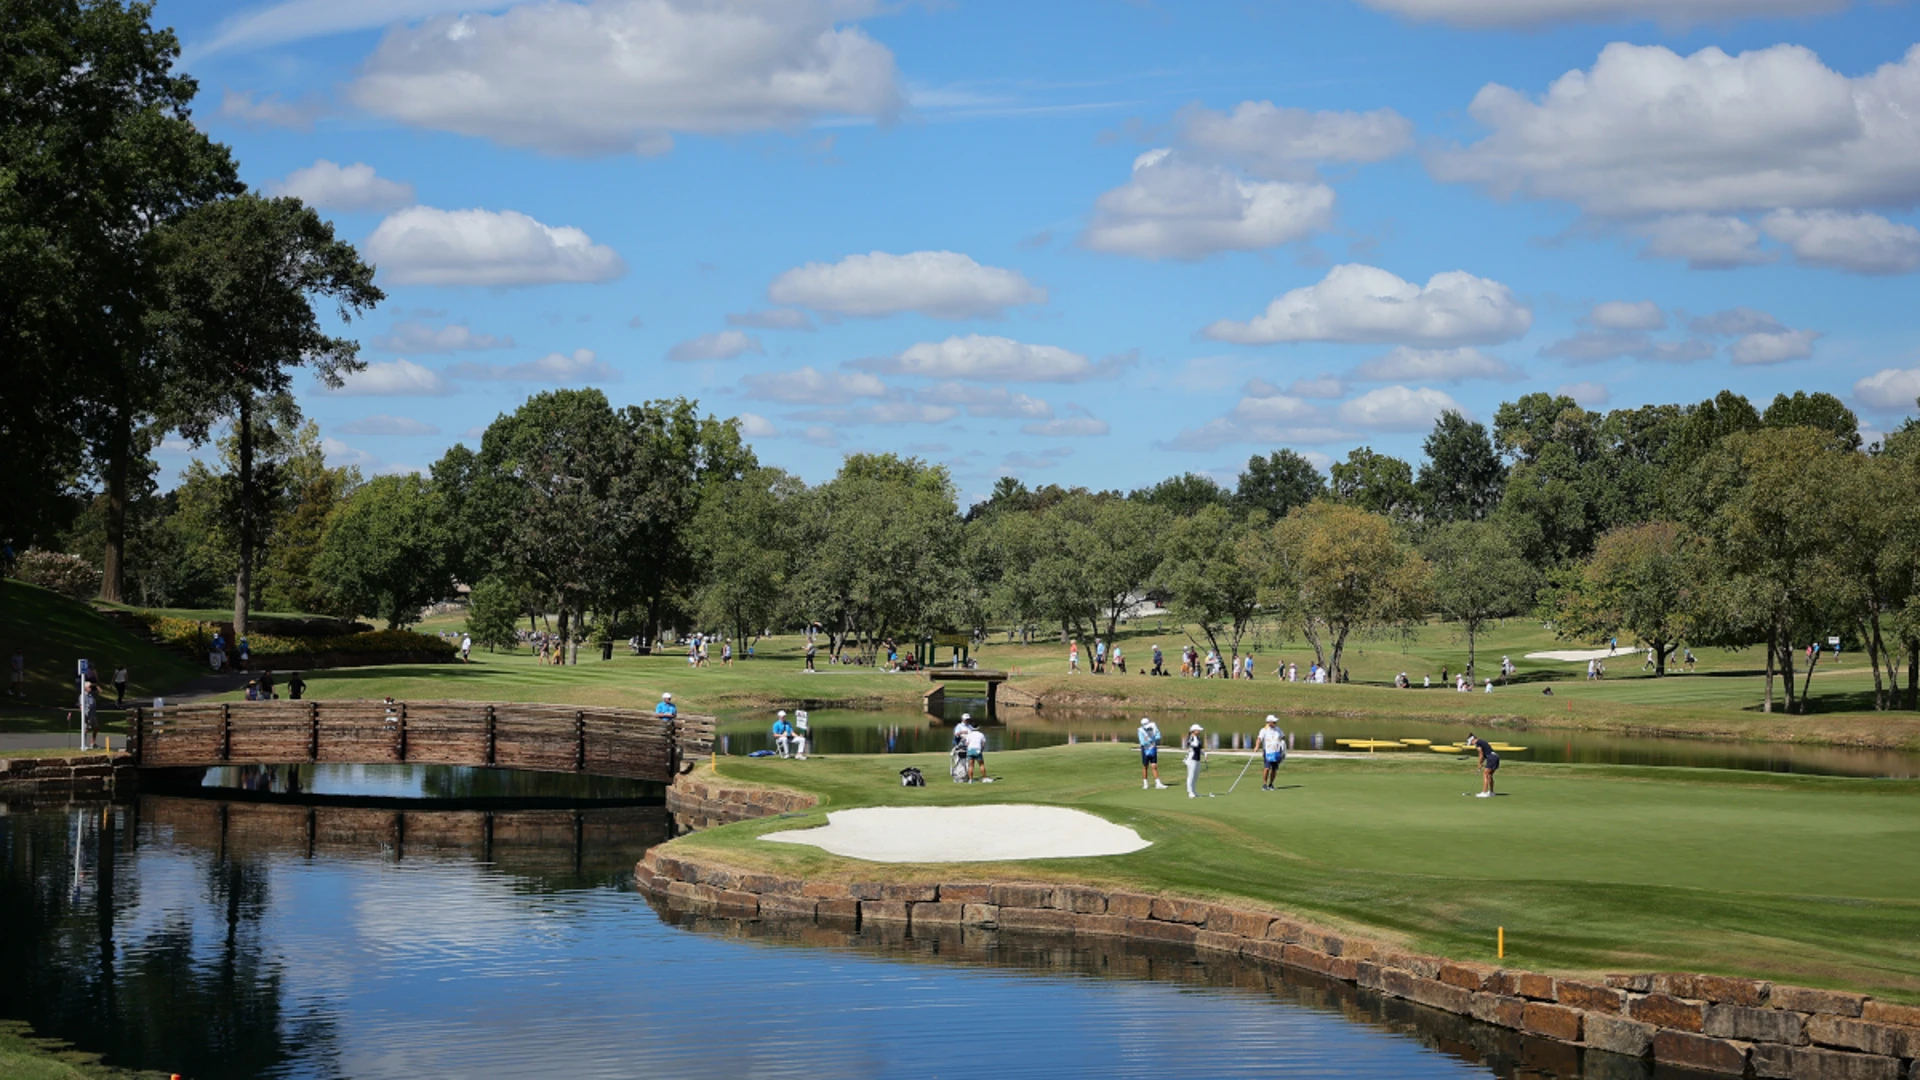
<point x="705" y="802"/>
<point x="66" y="777"/>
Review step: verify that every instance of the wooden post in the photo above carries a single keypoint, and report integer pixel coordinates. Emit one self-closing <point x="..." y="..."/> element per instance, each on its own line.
<point x="226" y="734"/>
<point x="136" y="737"/>
<point x="490" y="738"/>
<point x="402" y="733"/>
<point x="313" y="731"/>
<point x="993" y="697"/>
<point x="580" y="741"/>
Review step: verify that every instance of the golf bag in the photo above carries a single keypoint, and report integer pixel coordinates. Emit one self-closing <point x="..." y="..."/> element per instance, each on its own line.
<point x="958" y="765"/>
<point x="910" y="777"/>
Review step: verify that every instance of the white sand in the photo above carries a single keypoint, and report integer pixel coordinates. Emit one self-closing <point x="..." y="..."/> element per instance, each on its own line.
<point x="1581" y="656"/>
<point x="937" y="834"/>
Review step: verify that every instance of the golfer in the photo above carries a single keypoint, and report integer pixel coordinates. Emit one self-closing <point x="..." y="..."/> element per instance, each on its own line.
<point x="1489" y="763"/>
<point x="1149" y="735"/>
<point x="1273" y="748"/>
<point x="1196" y="748"/>
<point x="976" y="754"/>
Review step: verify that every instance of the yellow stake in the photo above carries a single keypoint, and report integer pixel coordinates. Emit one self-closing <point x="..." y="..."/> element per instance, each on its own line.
<point x="1503" y="943"/>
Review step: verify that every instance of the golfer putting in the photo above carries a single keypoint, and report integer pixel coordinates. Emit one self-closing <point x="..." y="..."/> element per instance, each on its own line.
<point x="1196" y="752"/>
<point x="1489" y="763"/>
<point x="1149" y="735"/>
<point x="1273" y="748"/>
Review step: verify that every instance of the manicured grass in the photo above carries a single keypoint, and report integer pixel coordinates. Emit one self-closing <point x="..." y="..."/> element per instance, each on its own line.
<point x="24" y="1057"/>
<point x="57" y="631"/>
<point x="1589" y="869"/>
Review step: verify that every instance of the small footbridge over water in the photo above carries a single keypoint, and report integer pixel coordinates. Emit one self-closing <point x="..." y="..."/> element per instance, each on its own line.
<point x="591" y="740"/>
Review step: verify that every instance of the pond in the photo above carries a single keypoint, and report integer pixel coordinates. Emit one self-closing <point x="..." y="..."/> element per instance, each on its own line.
<point x="847" y="731"/>
<point x="228" y="939"/>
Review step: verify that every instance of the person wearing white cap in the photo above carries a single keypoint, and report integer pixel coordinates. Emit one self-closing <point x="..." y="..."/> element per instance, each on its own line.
<point x="666" y="710"/>
<point x="1273" y="749"/>
<point x="1196" y="752"/>
<point x="1149" y="735"/>
<point x="782" y="735"/>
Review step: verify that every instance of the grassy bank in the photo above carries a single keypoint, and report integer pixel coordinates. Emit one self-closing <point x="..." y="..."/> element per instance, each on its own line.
<point x="24" y="1057"/>
<point x="1801" y="879"/>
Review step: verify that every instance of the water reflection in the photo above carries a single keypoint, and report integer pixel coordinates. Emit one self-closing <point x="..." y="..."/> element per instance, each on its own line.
<point x="228" y="939"/>
<point x="443" y="783"/>
<point x="846" y="731"/>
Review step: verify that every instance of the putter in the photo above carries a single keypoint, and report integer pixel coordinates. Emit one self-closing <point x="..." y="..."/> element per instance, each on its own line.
<point x="1236" y="780"/>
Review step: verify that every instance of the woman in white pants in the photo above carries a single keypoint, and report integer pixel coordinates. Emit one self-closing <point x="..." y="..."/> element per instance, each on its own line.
<point x="1196" y="748"/>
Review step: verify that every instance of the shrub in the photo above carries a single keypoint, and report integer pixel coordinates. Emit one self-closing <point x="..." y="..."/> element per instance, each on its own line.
<point x="198" y="637"/>
<point x="68" y="575"/>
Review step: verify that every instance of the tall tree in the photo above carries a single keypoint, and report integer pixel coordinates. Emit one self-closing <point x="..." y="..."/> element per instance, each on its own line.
<point x="1479" y="577"/>
<point x="744" y="535"/>
<point x="242" y="275"/>
<point x="1212" y="573"/>
<point x="1277" y="483"/>
<point x="385" y="551"/>
<point x="1335" y="569"/>
<point x="1375" y="482"/>
<point x="1644" y="579"/>
<point x="98" y="147"/>
<point x="1818" y="410"/>
<point x="1462" y="477"/>
<point x="1185" y="495"/>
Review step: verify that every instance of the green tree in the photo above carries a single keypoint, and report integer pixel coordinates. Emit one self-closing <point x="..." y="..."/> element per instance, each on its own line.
<point x="1212" y="574"/>
<point x="1377" y="483"/>
<point x="1277" y="483"/>
<point x="242" y="275"/>
<point x="1335" y="569"/>
<point x="385" y="551"/>
<point x="1704" y="425"/>
<point x="1462" y="477"/>
<point x="744" y="535"/>
<point x="1478" y="578"/>
<point x="1185" y="494"/>
<point x="1643" y="579"/>
<point x="1818" y="410"/>
<point x="493" y="614"/>
<point x="309" y="491"/>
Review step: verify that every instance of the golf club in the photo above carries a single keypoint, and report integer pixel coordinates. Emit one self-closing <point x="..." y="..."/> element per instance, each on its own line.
<point x="1236" y="780"/>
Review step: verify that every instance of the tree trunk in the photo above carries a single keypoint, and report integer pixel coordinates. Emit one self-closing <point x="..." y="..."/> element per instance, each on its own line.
<point x="1768" y="707"/>
<point x="243" y="578"/>
<point x="1659" y="659"/>
<point x="1806" y="685"/>
<point x="1786" y="673"/>
<point x="1874" y="651"/>
<point x="1913" y="676"/>
<point x="1472" y="636"/>
<point x="113" y="577"/>
<point x="565" y="640"/>
<point x="1335" y="673"/>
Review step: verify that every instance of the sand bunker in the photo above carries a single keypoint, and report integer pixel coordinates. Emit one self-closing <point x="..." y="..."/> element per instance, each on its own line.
<point x="936" y="834"/>
<point x="1581" y="656"/>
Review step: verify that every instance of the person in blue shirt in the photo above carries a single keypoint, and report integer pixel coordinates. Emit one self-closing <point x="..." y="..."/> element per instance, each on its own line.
<point x="1489" y="762"/>
<point x="782" y="734"/>
<point x="1149" y="736"/>
<point x="666" y="708"/>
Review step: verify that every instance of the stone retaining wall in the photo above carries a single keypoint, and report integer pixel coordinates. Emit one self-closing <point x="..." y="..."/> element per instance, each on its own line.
<point x="1737" y="1027"/>
<point x="709" y="801"/>
<point x="78" y="775"/>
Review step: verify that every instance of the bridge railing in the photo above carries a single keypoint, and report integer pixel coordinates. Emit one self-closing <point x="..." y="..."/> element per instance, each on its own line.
<point x="546" y="738"/>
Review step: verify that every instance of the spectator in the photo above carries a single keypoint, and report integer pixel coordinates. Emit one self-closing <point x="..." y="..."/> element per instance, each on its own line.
<point x="296" y="686"/>
<point x="666" y="710"/>
<point x="120" y="686"/>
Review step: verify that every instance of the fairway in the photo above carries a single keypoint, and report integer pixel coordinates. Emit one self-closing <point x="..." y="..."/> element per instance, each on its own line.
<point x="1589" y="869"/>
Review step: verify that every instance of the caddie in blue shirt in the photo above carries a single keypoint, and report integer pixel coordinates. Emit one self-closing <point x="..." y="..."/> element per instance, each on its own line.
<point x="1149" y="735"/>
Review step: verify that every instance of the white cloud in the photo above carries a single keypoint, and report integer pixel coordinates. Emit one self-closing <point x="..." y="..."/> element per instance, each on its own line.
<point x="382" y="424"/>
<point x="991" y="359"/>
<point x="579" y="366"/>
<point x="1646" y="132"/>
<point x="820" y="435"/>
<point x="1590" y="395"/>
<point x="771" y="319"/>
<point x="885" y="412"/>
<point x="331" y="186"/>
<point x="1740" y="320"/>
<point x="1045" y="459"/>
<point x="418" y="337"/>
<point x="1890" y="389"/>
<point x="270" y="112"/>
<point x="618" y="76"/>
<point x="1594" y="346"/>
<point x="987" y="401"/>
<point x="1705" y="241"/>
<point x="422" y="245"/>
<point x="297" y="20"/>
<point x="755" y="426"/>
<point x="1520" y="13"/>
<point x="1323" y="386"/>
<point x="1627" y="315"/>
<point x="1397" y="408"/>
<point x="938" y="284"/>
<point x="398" y="378"/>
<point x="1068" y="427"/>
<point x="339" y="453"/>
<point x="724" y="345"/>
<point x="1173" y="209"/>
<point x="1285" y="143"/>
<point x="1365" y="305"/>
<point x="810" y="387"/>
<point x="1859" y="243"/>
<point x="1405" y="364"/>
<point x="1774" y="347"/>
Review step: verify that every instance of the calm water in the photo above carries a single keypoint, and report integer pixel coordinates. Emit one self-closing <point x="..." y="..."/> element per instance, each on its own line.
<point x="246" y="939"/>
<point x="842" y="731"/>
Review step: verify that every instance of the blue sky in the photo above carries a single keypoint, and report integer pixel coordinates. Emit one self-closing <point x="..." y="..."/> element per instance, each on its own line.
<point x="1088" y="242"/>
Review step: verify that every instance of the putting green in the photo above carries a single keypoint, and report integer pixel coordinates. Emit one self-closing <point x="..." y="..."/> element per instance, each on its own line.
<point x="1804" y="879"/>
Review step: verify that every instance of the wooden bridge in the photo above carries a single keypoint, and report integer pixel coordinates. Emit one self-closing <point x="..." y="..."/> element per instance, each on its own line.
<point x="541" y="738"/>
<point x="934" y="701"/>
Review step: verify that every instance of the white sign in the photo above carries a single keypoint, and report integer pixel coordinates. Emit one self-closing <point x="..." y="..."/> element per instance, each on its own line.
<point x="1834" y="641"/>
